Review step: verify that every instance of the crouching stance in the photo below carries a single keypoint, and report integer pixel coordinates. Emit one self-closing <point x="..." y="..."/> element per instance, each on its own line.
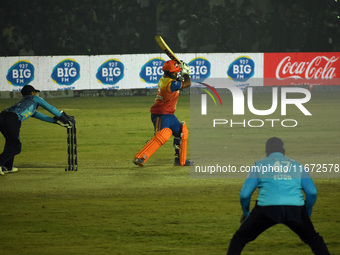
<point x="12" y="117"/>
<point x="166" y="124"/>
<point x="280" y="201"/>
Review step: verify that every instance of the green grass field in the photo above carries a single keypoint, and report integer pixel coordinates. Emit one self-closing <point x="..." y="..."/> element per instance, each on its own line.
<point x="111" y="206"/>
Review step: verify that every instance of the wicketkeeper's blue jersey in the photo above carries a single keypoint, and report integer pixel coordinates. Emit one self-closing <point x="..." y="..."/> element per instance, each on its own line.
<point x="28" y="105"/>
<point x="280" y="181"/>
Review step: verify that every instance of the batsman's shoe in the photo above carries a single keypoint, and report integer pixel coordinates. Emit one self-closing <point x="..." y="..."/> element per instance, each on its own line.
<point x="138" y="161"/>
<point x="13" y="170"/>
<point x="1" y="172"/>
<point x="187" y="162"/>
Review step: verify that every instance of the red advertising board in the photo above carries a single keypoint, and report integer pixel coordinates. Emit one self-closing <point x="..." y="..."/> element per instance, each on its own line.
<point x="315" y="68"/>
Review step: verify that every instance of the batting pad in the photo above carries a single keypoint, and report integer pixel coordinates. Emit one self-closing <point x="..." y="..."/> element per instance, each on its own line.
<point x="183" y="148"/>
<point x="157" y="141"/>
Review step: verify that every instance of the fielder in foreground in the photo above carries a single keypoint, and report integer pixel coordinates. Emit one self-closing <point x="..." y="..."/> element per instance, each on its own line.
<point x="176" y="77"/>
<point x="12" y="117"/>
<point x="280" y="200"/>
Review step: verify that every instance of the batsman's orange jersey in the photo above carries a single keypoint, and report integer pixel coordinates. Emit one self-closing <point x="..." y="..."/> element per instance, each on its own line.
<point x="166" y="100"/>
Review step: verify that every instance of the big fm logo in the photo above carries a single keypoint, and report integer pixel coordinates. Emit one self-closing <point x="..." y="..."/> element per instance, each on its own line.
<point x="241" y="69"/>
<point x="21" y="73"/>
<point x="238" y="106"/>
<point x="199" y="69"/>
<point x="152" y="71"/>
<point x="110" y="72"/>
<point x="66" y="72"/>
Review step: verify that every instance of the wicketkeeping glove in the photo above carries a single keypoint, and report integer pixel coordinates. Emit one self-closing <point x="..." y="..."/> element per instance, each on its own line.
<point x="64" y="120"/>
<point x="185" y="67"/>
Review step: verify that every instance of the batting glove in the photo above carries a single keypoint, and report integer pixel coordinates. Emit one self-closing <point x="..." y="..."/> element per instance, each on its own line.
<point x="185" y="67"/>
<point x="180" y="77"/>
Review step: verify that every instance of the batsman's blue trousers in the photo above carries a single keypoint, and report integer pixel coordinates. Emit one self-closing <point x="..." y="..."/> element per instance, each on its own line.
<point x="161" y="121"/>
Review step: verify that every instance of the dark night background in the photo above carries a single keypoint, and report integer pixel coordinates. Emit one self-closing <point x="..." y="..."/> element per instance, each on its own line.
<point x="93" y="27"/>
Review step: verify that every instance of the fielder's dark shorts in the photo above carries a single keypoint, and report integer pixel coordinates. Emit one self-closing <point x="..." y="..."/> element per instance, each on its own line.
<point x="10" y="129"/>
<point x="264" y="217"/>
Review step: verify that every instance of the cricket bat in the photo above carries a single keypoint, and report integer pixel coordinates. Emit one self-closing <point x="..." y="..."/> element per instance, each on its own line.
<point x="166" y="48"/>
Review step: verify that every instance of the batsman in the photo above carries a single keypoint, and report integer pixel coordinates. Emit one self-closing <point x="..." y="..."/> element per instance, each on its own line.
<point x="176" y="77"/>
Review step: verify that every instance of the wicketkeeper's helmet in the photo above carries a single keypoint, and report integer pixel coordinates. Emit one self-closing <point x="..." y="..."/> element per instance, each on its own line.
<point x="28" y="89"/>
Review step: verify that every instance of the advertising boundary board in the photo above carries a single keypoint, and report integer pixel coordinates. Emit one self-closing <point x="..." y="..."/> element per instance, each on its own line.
<point x="62" y="76"/>
<point x="144" y="92"/>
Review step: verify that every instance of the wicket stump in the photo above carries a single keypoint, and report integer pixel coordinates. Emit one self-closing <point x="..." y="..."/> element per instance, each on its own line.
<point x="72" y="148"/>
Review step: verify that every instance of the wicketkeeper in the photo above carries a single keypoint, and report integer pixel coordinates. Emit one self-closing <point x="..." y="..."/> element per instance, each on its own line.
<point x="176" y="77"/>
<point x="11" y="119"/>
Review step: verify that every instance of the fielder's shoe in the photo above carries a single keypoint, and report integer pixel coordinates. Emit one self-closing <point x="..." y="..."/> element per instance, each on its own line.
<point x="138" y="161"/>
<point x="1" y="172"/>
<point x="13" y="170"/>
<point x="187" y="162"/>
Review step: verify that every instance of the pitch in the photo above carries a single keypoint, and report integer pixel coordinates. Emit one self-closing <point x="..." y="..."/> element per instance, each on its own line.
<point x="110" y="206"/>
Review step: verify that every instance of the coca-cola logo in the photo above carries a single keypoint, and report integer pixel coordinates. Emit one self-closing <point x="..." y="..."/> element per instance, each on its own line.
<point x="318" y="68"/>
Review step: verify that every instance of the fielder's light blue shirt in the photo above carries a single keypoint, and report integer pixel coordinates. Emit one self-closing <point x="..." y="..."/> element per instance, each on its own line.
<point x="280" y="181"/>
<point x="27" y="108"/>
